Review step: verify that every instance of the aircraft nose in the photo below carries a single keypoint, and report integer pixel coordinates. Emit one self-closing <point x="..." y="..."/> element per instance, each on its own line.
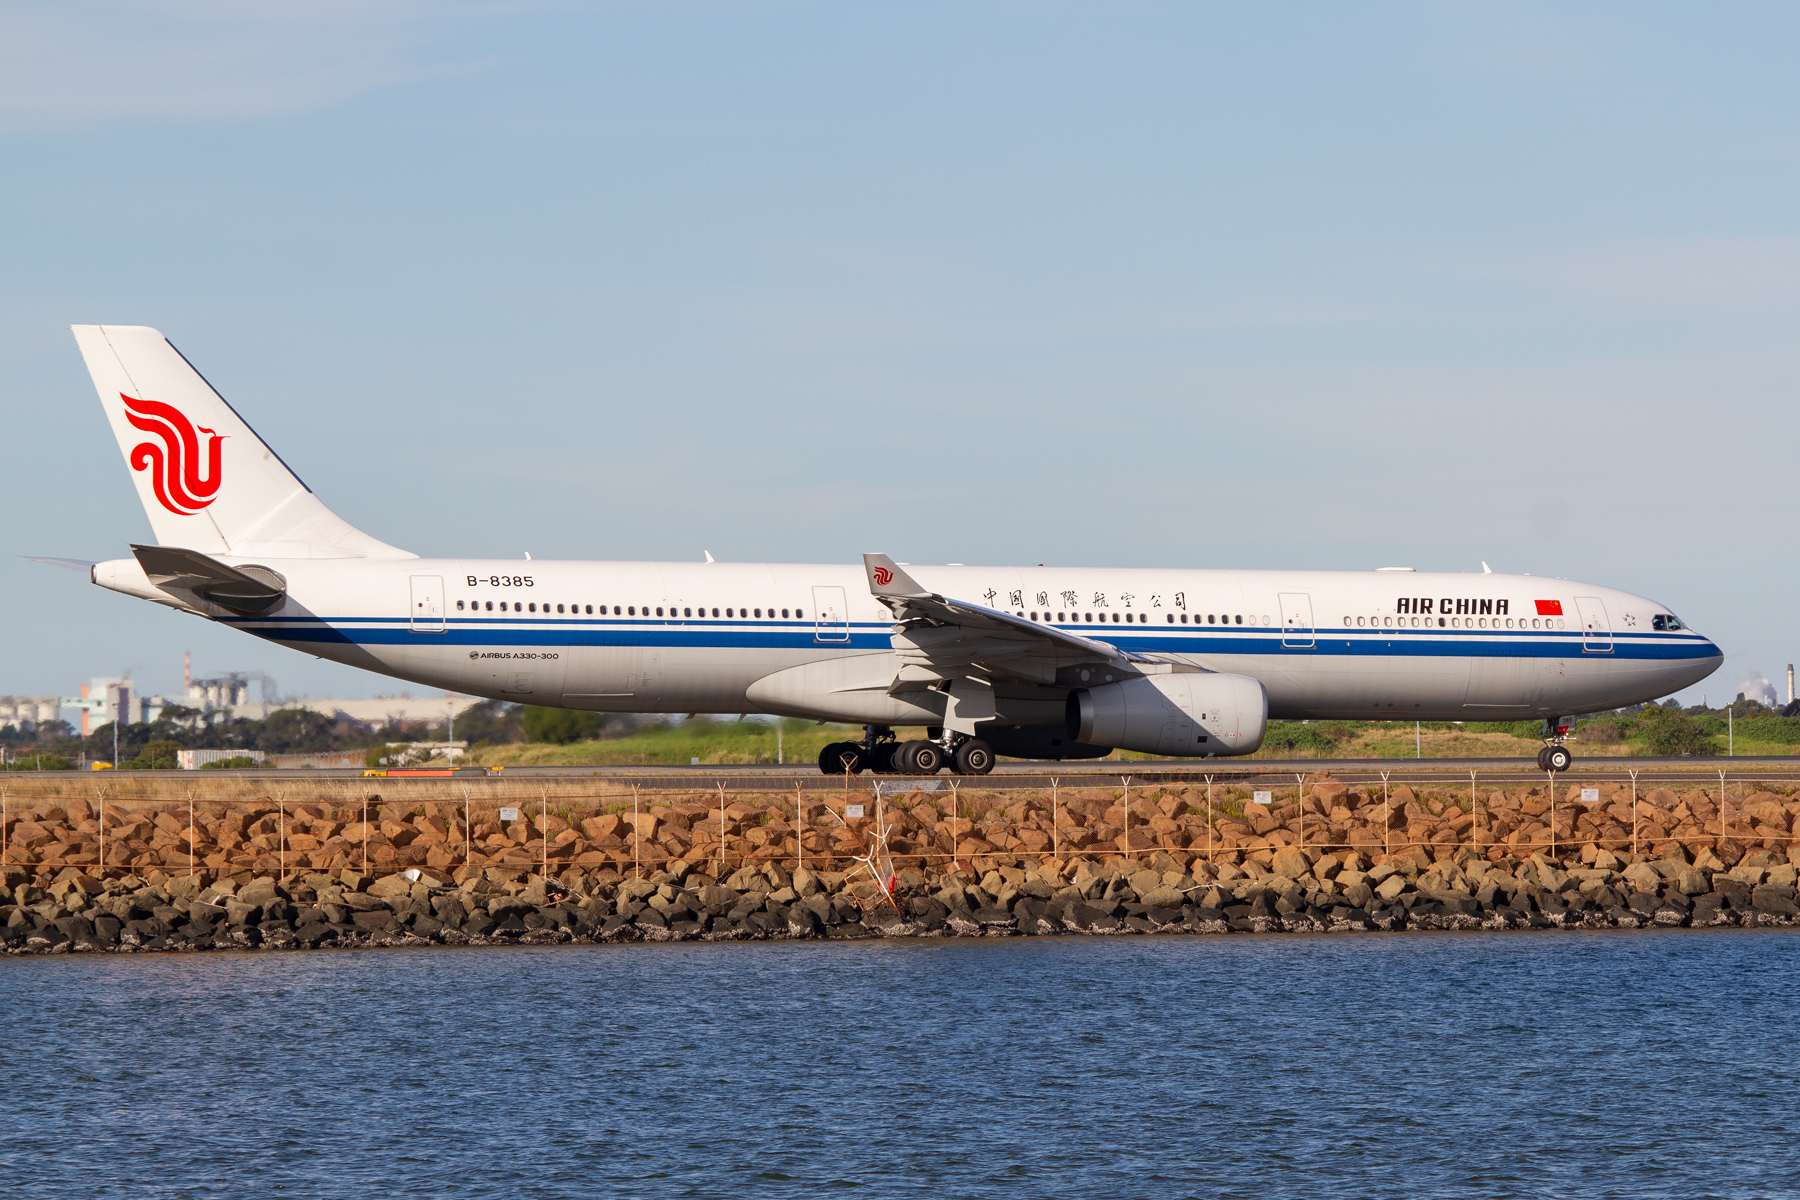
<point x="1707" y="661"/>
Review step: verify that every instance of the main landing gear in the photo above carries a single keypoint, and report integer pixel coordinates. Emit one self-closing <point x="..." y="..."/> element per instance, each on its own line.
<point x="1555" y="756"/>
<point x="882" y="753"/>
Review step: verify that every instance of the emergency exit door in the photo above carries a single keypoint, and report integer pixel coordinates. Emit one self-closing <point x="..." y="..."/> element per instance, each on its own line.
<point x="831" y="617"/>
<point x="427" y="604"/>
<point x="1296" y="620"/>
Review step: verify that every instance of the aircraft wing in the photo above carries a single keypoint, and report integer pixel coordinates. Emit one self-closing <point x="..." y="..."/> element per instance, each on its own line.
<point x="939" y="637"/>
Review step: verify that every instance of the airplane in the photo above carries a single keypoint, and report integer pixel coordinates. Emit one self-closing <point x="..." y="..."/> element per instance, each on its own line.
<point x="1036" y="662"/>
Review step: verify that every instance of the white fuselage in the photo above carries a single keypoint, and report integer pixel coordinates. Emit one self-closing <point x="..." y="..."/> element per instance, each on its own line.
<point x="698" y="637"/>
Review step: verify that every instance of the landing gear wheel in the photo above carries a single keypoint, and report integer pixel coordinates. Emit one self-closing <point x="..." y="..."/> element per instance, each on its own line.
<point x="902" y="760"/>
<point x="927" y="758"/>
<point x="974" y="757"/>
<point x="1558" y="758"/>
<point x="1542" y="765"/>
<point x="881" y="760"/>
<point x="841" y="757"/>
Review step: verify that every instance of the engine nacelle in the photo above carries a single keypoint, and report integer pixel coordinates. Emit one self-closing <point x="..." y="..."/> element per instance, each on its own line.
<point x="1189" y="714"/>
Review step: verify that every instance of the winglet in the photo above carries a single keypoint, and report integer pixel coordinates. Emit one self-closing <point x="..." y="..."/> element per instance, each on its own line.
<point x="886" y="579"/>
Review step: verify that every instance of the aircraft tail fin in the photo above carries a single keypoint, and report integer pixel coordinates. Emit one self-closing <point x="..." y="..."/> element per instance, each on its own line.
<point x="206" y="480"/>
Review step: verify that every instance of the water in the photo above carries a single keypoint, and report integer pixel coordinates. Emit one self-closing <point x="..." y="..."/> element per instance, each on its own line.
<point x="1629" y="1064"/>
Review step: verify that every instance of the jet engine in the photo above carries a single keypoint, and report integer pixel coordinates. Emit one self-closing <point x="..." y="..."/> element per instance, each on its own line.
<point x="1187" y="714"/>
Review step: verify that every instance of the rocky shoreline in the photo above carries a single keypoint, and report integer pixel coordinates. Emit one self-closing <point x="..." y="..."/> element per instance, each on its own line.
<point x="118" y="873"/>
<point x="79" y="913"/>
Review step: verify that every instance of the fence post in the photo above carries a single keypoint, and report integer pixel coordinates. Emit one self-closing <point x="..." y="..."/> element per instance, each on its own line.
<point x="799" y="829"/>
<point x="1055" y="835"/>
<point x="1722" y="824"/>
<point x="1551" y="776"/>
<point x="365" y="837"/>
<point x="1300" y="803"/>
<point x="637" y="868"/>
<point x="100" y="821"/>
<point x="281" y="836"/>
<point x="1125" y="799"/>
<point x="544" y="826"/>
<point x="722" y="831"/>
<point x="1472" y="817"/>
<point x="466" y="841"/>
<point x="191" y="833"/>
<point x="1209" y="820"/>
<point x="953" y="837"/>
<point x="1387" y="820"/>
<point x="1634" y="816"/>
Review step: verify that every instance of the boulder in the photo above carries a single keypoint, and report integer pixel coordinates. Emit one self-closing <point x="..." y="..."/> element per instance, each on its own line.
<point x="258" y="891"/>
<point x="1291" y="862"/>
<point x="1162" y="896"/>
<point x="1692" y="881"/>
<point x="722" y="899"/>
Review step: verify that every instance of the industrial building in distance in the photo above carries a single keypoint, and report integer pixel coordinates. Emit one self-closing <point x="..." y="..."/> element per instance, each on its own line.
<point x="104" y="699"/>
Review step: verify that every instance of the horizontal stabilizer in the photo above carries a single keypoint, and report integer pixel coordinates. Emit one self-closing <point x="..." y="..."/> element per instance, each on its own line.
<point x="68" y="564"/>
<point x="248" y="591"/>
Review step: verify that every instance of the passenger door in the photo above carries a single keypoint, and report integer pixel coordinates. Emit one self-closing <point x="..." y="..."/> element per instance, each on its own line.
<point x="831" y="617"/>
<point x="1296" y="620"/>
<point x="1596" y="629"/>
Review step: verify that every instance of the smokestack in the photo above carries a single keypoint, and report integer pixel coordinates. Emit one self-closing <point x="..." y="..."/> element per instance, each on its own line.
<point x="1790" y="683"/>
<point x="187" y="670"/>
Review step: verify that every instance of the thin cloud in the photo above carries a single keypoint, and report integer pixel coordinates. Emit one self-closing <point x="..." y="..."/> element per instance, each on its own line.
<point x="71" y="65"/>
<point x="1716" y="274"/>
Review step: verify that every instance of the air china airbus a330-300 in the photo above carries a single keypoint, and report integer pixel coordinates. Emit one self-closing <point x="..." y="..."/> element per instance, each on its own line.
<point x="1033" y="662"/>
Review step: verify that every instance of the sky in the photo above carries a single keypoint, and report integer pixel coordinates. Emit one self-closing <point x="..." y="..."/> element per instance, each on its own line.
<point x="1186" y="285"/>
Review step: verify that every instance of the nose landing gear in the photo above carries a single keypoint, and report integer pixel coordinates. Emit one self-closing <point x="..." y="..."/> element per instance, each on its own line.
<point x="1555" y="756"/>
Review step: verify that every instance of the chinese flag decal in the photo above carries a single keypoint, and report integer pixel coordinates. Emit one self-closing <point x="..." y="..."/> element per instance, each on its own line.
<point x="1549" y="608"/>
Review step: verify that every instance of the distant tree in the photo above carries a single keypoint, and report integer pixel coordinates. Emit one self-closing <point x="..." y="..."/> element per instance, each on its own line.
<point x="1668" y="733"/>
<point x="493" y="721"/>
<point x="561" y="725"/>
<point x="30" y="761"/>
<point x="156" y="756"/>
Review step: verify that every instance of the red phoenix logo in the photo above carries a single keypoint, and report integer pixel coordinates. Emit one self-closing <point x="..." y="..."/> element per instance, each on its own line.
<point x="883" y="577"/>
<point x="174" y="466"/>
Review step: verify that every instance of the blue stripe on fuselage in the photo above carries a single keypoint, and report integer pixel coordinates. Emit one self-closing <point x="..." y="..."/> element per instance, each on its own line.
<point x="1413" y="643"/>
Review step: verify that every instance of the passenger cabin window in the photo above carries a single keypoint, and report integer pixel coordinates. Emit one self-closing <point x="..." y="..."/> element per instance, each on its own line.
<point x="459" y="606"/>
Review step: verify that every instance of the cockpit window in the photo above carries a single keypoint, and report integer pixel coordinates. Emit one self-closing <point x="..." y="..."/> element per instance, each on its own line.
<point x="1666" y="621"/>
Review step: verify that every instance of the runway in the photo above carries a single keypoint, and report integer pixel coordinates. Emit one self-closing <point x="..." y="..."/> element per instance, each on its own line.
<point x="733" y="777"/>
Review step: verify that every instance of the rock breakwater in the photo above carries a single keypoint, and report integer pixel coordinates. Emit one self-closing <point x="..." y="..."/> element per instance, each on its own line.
<point x="125" y="874"/>
<point x="1333" y="894"/>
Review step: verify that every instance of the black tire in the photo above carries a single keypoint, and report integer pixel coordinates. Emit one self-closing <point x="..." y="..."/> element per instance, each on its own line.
<point x="974" y="757"/>
<point x="1558" y="758"/>
<point x="1542" y="750"/>
<point x="831" y="758"/>
<point x="882" y="761"/>
<point x="901" y="762"/>
<point x="927" y="758"/>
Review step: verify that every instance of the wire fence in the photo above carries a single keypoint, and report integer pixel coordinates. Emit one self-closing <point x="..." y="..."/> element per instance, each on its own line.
<point x="599" y="825"/>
